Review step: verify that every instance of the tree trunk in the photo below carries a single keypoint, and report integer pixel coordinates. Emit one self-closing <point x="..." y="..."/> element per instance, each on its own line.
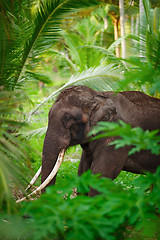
<point x="122" y="23"/>
<point x="137" y="25"/>
<point x="105" y="23"/>
<point x="141" y="11"/>
<point x="132" y="21"/>
<point x="102" y="32"/>
<point x="141" y="15"/>
<point x="116" y="36"/>
<point x="132" y="25"/>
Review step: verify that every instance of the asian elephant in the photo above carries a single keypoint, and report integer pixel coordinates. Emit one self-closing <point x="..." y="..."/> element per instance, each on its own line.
<point x="75" y="112"/>
<point x="78" y="109"/>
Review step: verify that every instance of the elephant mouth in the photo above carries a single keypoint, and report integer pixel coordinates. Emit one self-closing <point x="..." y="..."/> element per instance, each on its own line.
<point x="48" y="179"/>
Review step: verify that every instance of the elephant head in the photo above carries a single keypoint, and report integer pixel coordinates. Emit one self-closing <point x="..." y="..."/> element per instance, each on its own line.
<point x="75" y="112"/>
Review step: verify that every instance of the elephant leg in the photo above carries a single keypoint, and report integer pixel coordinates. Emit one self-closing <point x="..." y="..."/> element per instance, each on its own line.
<point x="85" y="163"/>
<point x="107" y="160"/>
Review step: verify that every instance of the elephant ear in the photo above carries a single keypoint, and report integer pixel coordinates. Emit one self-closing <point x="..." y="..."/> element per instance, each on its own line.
<point x="103" y="110"/>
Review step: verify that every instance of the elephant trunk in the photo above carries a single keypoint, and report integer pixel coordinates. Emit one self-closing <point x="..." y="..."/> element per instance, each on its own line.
<point x="51" y="150"/>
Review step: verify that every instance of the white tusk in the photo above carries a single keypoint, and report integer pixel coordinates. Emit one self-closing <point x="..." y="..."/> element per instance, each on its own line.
<point x="49" y="178"/>
<point x="34" y="178"/>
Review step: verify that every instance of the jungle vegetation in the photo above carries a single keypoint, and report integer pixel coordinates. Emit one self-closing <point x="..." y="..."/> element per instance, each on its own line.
<point x="46" y="46"/>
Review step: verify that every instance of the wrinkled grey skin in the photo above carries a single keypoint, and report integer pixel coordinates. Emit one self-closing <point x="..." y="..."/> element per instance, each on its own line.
<point x="78" y="109"/>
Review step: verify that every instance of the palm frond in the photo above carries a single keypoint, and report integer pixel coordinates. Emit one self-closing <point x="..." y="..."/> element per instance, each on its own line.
<point x="153" y="49"/>
<point x="108" y="55"/>
<point x="14" y="28"/>
<point x="46" y="24"/>
<point x="27" y="37"/>
<point x="66" y="58"/>
<point x="101" y="78"/>
<point x="36" y="132"/>
<point x="12" y="151"/>
<point x="117" y="42"/>
<point x="12" y="160"/>
<point x="147" y="8"/>
<point x="97" y="48"/>
<point x="149" y="40"/>
<point x="73" y="41"/>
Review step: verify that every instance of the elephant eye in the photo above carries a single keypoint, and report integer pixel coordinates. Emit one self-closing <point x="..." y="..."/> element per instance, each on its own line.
<point x="67" y="117"/>
<point x="66" y="120"/>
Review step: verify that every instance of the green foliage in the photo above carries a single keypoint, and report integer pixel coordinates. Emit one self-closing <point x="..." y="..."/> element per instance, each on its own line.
<point x="144" y="71"/>
<point x="140" y="139"/>
<point x="102" y="78"/>
<point x="66" y="170"/>
<point x="82" y="57"/>
<point x="84" y="32"/>
<point x="142" y="76"/>
<point x="126" y="180"/>
<point x="28" y="29"/>
<point x="14" y="31"/>
<point x="27" y="35"/>
<point x="114" y="214"/>
<point x="12" y="153"/>
<point x="70" y="164"/>
<point x="12" y="227"/>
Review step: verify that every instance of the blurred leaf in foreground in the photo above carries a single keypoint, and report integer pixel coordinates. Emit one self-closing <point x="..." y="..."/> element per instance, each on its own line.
<point x="140" y="139"/>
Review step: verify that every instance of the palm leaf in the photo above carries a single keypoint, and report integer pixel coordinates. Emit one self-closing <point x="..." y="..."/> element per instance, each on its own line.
<point x="12" y="159"/>
<point x="65" y="57"/>
<point x="149" y="40"/>
<point x="73" y="41"/>
<point x="102" y="78"/>
<point x="29" y="36"/>
<point x="48" y="18"/>
<point x="117" y="42"/>
<point x="109" y="56"/>
<point x="147" y="8"/>
<point x="153" y="49"/>
<point x="36" y="132"/>
<point x="12" y="155"/>
<point x="14" y="28"/>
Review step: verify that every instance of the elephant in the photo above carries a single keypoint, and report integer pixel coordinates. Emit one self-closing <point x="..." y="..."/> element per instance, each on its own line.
<point x="77" y="110"/>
